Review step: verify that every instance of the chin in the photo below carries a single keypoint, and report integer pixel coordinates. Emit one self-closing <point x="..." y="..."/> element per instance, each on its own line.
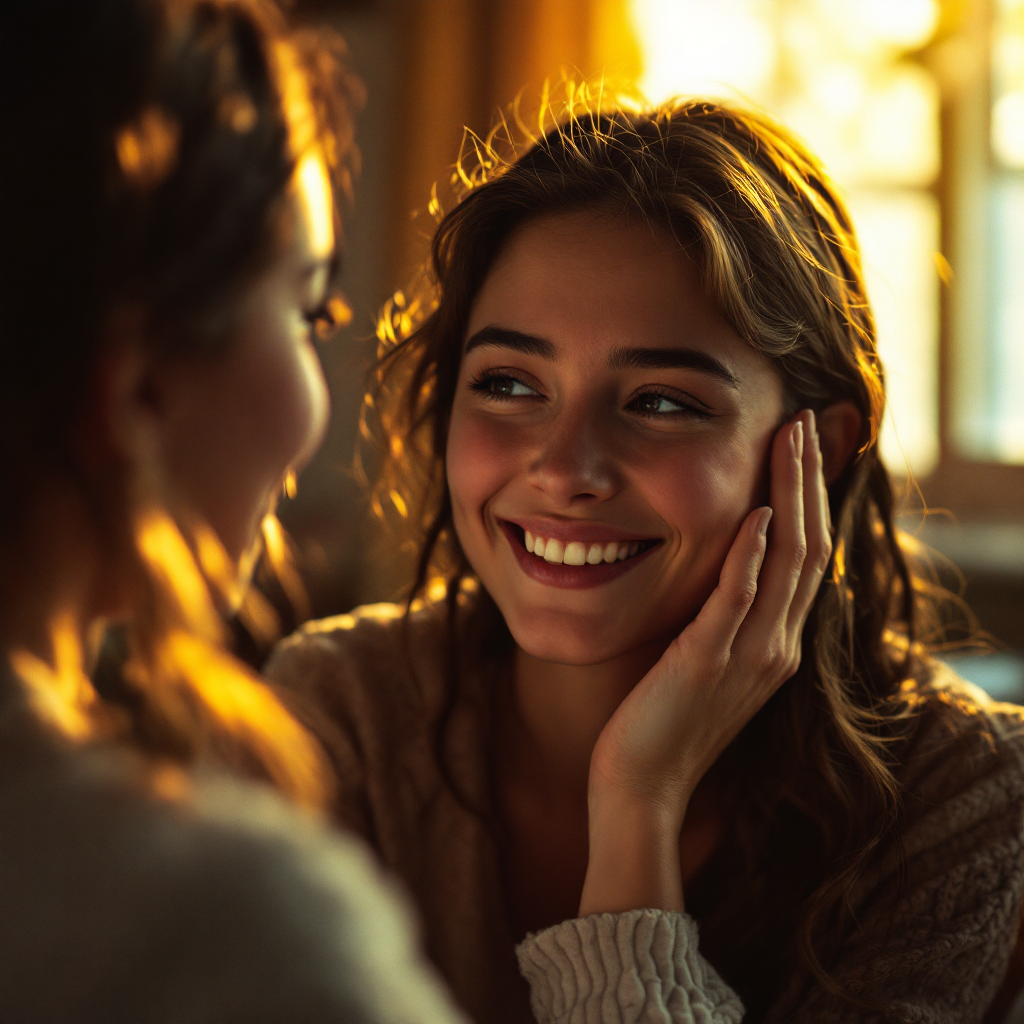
<point x="567" y="639"/>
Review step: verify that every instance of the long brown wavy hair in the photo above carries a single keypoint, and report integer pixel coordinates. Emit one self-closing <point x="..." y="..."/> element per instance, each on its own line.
<point x="148" y="149"/>
<point x="777" y="253"/>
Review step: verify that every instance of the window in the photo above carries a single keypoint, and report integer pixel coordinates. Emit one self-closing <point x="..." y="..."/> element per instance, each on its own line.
<point x="849" y="79"/>
<point x="990" y="406"/>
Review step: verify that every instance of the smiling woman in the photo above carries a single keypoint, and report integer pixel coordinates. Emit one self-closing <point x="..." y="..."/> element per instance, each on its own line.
<point x="663" y="664"/>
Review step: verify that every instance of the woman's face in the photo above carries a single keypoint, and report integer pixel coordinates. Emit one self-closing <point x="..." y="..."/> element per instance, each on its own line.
<point x="237" y="422"/>
<point x="608" y="417"/>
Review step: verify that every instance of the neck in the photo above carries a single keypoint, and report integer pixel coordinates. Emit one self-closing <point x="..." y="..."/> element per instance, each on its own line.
<point x="558" y="712"/>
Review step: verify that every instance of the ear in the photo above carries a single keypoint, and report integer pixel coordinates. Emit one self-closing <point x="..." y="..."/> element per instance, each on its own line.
<point x="839" y="430"/>
<point x="124" y="406"/>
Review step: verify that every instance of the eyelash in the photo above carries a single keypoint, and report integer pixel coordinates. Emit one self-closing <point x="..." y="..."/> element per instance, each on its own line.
<point x="321" y="320"/>
<point x="685" y="408"/>
<point x="485" y="380"/>
<point x="482" y="384"/>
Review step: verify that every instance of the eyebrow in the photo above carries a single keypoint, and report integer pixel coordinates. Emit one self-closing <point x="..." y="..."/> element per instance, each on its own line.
<point x="622" y="358"/>
<point x="672" y="359"/>
<point x="501" y="337"/>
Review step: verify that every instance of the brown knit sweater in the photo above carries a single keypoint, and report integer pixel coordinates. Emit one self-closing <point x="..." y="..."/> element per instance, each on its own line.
<point x="374" y="688"/>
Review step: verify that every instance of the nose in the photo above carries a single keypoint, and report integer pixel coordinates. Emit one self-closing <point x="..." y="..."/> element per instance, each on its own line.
<point x="576" y="463"/>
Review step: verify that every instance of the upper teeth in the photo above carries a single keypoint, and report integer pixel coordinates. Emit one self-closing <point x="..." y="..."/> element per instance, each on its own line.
<point x="578" y="553"/>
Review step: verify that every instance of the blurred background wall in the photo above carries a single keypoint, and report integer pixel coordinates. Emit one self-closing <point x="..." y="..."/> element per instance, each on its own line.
<point x="917" y="109"/>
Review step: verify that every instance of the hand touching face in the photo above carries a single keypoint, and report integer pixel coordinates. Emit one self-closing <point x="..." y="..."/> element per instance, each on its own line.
<point x="610" y="432"/>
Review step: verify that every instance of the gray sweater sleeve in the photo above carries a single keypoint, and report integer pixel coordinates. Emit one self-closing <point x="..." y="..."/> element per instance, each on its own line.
<point x="226" y="907"/>
<point x="636" y="966"/>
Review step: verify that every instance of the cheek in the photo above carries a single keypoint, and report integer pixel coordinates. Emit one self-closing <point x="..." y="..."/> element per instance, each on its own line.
<point x="703" y="494"/>
<point x="481" y="459"/>
<point x="286" y="403"/>
<point x="303" y="404"/>
<point x="703" y="489"/>
<point x="264" y="409"/>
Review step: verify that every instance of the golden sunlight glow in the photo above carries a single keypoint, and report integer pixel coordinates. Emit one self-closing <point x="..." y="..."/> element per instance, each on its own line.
<point x="61" y="693"/>
<point x="282" y="561"/>
<point x="693" y="47"/>
<point x="898" y="232"/>
<point x="990" y="379"/>
<point x="295" y="99"/>
<point x="311" y="147"/>
<point x="313" y="187"/>
<point x="169" y="560"/>
<point x="147" y="150"/>
<point x="399" y="502"/>
<point x="1008" y="129"/>
<point x="340" y="311"/>
<point x="904" y="23"/>
<point x="246" y="707"/>
<point x="259" y="617"/>
<point x="218" y="567"/>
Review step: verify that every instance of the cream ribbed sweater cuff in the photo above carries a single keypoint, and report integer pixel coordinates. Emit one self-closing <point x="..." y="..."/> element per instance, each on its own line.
<point x="637" y="966"/>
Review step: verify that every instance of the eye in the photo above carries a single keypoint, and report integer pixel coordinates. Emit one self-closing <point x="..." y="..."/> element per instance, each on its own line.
<point x="656" y="404"/>
<point x="331" y="314"/>
<point x="502" y="387"/>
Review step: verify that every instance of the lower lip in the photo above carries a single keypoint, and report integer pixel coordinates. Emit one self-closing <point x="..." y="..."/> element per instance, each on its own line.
<point x="568" y="577"/>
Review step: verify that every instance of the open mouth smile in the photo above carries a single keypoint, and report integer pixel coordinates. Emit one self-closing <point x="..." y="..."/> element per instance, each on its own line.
<point x="574" y="564"/>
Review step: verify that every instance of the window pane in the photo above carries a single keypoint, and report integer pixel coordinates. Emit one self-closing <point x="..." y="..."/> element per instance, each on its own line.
<point x="899" y="235"/>
<point x="1004" y="429"/>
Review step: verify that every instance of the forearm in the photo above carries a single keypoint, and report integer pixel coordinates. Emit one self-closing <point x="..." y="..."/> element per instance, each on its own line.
<point x="634" y="858"/>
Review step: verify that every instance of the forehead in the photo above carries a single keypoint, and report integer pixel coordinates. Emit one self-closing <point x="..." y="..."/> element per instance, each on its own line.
<point x="590" y="282"/>
<point x="311" y="188"/>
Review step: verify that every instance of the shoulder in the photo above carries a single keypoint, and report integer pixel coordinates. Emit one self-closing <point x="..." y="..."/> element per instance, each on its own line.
<point x="961" y="738"/>
<point x="937" y="912"/>
<point x="378" y="651"/>
<point x="961" y="776"/>
<point x="388" y="659"/>
<point x="217" y="902"/>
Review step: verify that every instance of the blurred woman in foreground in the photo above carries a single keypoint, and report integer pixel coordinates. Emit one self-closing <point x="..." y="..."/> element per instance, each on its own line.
<point x="167" y="238"/>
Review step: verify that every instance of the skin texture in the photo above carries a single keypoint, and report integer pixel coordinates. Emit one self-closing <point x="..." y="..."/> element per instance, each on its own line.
<point x="624" y="694"/>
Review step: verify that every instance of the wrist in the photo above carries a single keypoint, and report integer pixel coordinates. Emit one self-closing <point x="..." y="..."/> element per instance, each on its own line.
<point x="633" y="859"/>
<point x="646" y="804"/>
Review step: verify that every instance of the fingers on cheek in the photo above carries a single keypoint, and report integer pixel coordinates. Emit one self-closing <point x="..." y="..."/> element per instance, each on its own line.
<point x="822" y="554"/>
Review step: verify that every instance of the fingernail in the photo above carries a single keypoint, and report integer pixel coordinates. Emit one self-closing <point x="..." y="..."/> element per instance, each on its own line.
<point x="815" y="433"/>
<point x="762" y="523"/>
<point x="798" y="439"/>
